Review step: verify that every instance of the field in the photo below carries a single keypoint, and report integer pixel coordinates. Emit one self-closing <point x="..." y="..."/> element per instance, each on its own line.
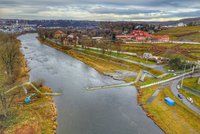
<point x="168" y="50"/>
<point x="177" y="119"/>
<point x="192" y="83"/>
<point x="188" y="33"/>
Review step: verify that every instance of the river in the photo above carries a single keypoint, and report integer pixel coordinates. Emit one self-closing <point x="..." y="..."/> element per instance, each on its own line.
<point x="108" y="111"/>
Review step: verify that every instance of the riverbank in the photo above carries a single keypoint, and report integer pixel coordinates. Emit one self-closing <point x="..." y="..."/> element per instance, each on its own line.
<point x="177" y="119"/>
<point x="101" y="63"/>
<point x="37" y="117"/>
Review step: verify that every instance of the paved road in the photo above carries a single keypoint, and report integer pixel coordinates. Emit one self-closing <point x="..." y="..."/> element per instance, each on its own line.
<point x="184" y="100"/>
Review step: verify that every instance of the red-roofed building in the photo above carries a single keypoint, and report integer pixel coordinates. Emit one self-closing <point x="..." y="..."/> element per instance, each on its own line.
<point x="59" y="34"/>
<point x="142" y="36"/>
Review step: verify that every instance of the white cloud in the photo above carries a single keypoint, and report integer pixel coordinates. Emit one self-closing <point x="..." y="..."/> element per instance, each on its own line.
<point x="100" y="9"/>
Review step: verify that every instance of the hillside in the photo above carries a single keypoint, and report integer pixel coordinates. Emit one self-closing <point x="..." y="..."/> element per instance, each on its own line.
<point x="188" y="33"/>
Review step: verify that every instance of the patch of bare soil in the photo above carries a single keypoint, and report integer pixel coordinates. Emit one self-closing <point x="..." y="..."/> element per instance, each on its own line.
<point x="26" y="129"/>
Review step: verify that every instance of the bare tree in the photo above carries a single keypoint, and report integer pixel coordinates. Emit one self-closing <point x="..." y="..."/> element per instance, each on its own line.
<point x="9" y="56"/>
<point x="118" y="46"/>
<point x="6" y="101"/>
<point x="85" y="42"/>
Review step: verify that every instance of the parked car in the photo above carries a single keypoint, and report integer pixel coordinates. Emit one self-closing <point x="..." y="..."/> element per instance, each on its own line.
<point x="190" y="99"/>
<point x="180" y="96"/>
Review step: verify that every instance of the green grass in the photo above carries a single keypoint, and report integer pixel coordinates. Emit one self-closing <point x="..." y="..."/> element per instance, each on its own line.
<point x="192" y="37"/>
<point x="177" y="119"/>
<point x="192" y="83"/>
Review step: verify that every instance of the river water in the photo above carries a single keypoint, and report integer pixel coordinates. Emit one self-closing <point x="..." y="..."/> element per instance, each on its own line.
<point x="107" y="111"/>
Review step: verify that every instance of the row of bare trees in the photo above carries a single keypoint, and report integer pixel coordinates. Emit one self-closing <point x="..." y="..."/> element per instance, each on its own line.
<point x="9" y="68"/>
<point x="105" y="45"/>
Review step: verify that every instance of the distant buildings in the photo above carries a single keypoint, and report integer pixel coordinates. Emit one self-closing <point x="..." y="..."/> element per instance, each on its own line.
<point x="16" y="27"/>
<point x="181" y="24"/>
<point x="65" y="39"/>
<point x="142" y="36"/>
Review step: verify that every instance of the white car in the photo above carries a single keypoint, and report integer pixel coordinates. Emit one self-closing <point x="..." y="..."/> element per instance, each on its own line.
<point x="178" y="87"/>
<point x="190" y="99"/>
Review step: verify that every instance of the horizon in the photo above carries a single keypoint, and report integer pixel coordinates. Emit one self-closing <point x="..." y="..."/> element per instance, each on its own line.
<point x="100" y="10"/>
<point x="142" y="21"/>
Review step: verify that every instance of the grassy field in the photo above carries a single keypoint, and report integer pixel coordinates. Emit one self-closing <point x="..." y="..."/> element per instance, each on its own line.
<point x="192" y="83"/>
<point x="188" y="33"/>
<point x="173" y="120"/>
<point x="169" y="50"/>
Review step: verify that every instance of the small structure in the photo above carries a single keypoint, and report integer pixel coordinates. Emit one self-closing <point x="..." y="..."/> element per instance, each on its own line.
<point x="169" y="101"/>
<point x="147" y="55"/>
<point x="97" y="38"/>
<point x="59" y="34"/>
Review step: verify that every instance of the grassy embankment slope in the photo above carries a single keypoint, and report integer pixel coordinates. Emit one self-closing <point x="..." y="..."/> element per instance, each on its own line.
<point x="177" y="119"/>
<point x="100" y="62"/>
<point x="37" y="117"/>
<point x="192" y="83"/>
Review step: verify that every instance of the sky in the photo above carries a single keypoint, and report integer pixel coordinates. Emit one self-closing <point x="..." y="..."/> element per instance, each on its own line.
<point x="100" y="10"/>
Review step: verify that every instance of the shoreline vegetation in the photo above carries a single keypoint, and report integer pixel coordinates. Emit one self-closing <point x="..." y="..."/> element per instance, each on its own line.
<point x="37" y="117"/>
<point x="156" y="109"/>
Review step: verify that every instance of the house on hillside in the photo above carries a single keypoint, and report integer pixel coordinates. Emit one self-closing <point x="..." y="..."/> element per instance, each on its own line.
<point x="59" y="34"/>
<point x="72" y="39"/>
<point x="136" y="35"/>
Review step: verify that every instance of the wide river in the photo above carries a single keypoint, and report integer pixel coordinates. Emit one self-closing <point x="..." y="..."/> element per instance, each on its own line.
<point x="108" y="111"/>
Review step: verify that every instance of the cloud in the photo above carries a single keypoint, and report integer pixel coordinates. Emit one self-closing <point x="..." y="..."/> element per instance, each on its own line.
<point x="100" y="9"/>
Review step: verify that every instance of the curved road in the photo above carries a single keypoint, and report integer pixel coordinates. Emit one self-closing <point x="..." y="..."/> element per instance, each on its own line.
<point x="184" y="100"/>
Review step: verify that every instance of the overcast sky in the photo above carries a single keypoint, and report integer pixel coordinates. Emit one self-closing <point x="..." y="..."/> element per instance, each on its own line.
<point x="123" y="10"/>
